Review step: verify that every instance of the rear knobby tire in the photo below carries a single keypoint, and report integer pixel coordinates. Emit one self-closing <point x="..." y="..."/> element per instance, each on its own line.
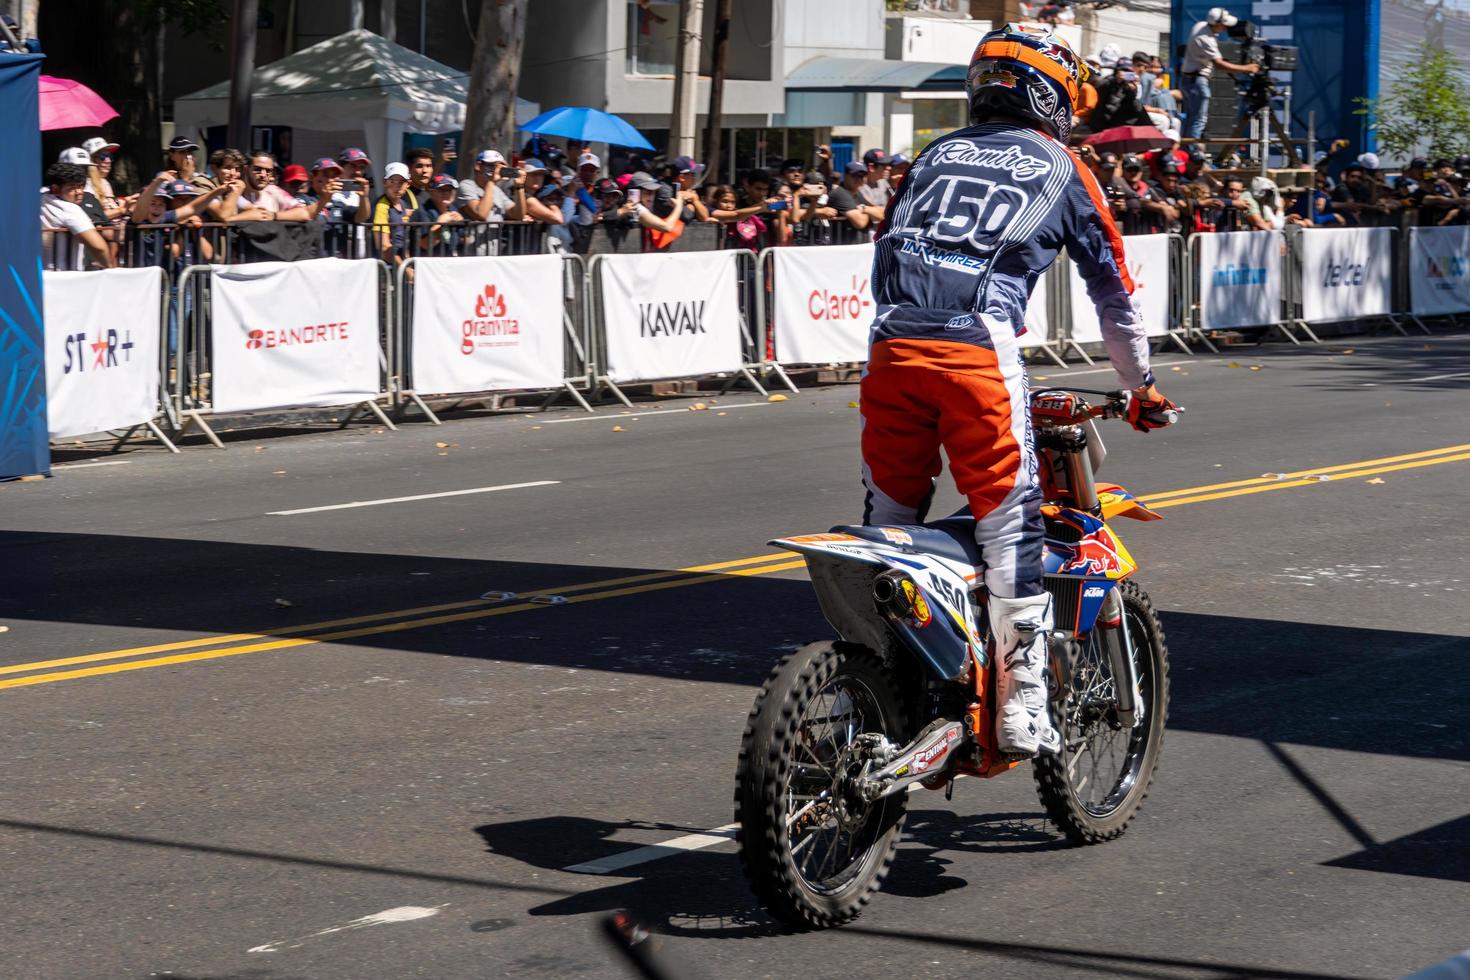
<point x="783" y="767"/>
<point x="1090" y="798"/>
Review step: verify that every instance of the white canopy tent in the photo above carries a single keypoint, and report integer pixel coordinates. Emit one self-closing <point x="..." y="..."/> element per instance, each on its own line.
<point x="353" y="83"/>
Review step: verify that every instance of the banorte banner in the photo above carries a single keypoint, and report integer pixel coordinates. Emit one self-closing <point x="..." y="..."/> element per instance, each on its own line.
<point x="1147" y="257"/>
<point x="670" y="315"/>
<point x="294" y="334"/>
<point x="823" y="303"/>
<point x="1240" y="275"/>
<point x="487" y="324"/>
<point x="102" y="349"/>
<point x="1346" y="273"/>
<point x="1439" y="260"/>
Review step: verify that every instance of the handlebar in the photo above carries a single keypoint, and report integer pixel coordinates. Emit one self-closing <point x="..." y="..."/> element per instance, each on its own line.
<point x="1116" y="407"/>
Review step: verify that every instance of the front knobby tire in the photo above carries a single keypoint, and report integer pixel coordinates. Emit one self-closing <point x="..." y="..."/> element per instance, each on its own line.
<point x="1095" y="786"/>
<point x="814" y="855"/>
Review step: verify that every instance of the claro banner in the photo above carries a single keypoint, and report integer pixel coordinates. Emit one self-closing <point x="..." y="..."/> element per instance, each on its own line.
<point x="1346" y="273"/>
<point x="294" y="333"/>
<point x="487" y="324"/>
<point x="670" y="315"/>
<point x="102" y="349"/>
<point x="1239" y="279"/>
<point x="823" y="303"/>
<point x="1147" y="257"/>
<point x="1438" y="261"/>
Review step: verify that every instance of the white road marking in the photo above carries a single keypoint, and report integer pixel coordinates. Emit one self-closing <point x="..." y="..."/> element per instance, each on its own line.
<point x="1107" y="370"/>
<point x="404" y="913"/>
<point x="1440" y="377"/>
<point x="713" y="409"/>
<point x="642" y="855"/>
<point x="82" y="466"/>
<point x="421" y="496"/>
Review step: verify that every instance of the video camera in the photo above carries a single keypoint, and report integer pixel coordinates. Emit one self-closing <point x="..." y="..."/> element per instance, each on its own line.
<point x="1254" y="51"/>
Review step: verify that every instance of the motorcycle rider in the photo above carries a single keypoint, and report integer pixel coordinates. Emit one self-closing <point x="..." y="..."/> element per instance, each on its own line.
<point x="980" y="216"/>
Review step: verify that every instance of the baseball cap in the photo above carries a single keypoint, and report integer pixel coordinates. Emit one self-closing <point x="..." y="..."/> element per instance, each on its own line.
<point x="643" y="180"/>
<point x="855" y="168"/>
<point x="1124" y="64"/>
<point x="1417" y="162"/>
<point x="1219" y="15"/>
<point x="549" y="190"/>
<point x="1169" y="166"/>
<point x="1131" y="162"/>
<point x="353" y="155"/>
<point x="97" y="145"/>
<point x="182" y="143"/>
<point x="440" y="181"/>
<point x="686" y="165"/>
<point x="589" y="160"/>
<point x="532" y="166"/>
<point x="325" y="163"/>
<point x="179" y="188"/>
<point x="292" y="172"/>
<point x="898" y="159"/>
<point x="395" y="169"/>
<point x="489" y="156"/>
<point x="875" y="155"/>
<point x="1108" y="160"/>
<point x="1369" y="160"/>
<point x="76" y="155"/>
<point x="814" y="177"/>
<point x="607" y="186"/>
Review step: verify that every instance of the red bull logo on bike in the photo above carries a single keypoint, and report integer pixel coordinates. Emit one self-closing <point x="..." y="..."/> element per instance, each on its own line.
<point x="1098" y="554"/>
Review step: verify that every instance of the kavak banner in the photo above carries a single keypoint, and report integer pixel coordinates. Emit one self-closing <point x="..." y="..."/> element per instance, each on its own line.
<point x="1239" y="279"/>
<point x="670" y="315"/>
<point x="823" y="303"/>
<point x="294" y="333"/>
<point x="1438" y="261"/>
<point x="487" y="324"/>
<point x="103" y="332"/>
<point x="1346" y="273"/>
<point x="1147" y="257"/>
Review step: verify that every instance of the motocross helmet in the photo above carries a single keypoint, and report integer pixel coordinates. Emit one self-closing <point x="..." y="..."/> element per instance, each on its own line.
<point x="1025" y="72"/>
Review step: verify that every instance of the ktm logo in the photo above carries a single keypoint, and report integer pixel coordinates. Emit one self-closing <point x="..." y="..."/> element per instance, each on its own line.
<point x="490" y="305"/>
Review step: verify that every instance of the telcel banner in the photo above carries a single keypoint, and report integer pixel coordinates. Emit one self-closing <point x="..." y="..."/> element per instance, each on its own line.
<point x="1438" y="261"/>
<point x="102" y="353"/>
<point x="1346" y="273"/>
<point x="1239" y="279"/>
<point x="1147" y="257"/>
<point x="823" y="303"/>
<point x="294" y="333"/>
<point x="670" y="315"/>
<point x="487" y="324"/>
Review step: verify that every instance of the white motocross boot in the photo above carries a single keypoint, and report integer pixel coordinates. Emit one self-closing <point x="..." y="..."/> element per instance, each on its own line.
<point x="1022" y="723"/>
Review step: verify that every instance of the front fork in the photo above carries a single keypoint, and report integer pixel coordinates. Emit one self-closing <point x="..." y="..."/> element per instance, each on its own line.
<point x="1118" y="644"/>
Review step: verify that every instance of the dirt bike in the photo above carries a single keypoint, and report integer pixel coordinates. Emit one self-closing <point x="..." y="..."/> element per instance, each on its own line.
<point x="842" y="730"/>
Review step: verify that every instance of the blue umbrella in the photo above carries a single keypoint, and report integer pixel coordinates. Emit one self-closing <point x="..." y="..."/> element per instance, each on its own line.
<point x="592" y="125"/>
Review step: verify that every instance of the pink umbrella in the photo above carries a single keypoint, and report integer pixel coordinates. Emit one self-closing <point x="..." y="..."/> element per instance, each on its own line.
<point x="67" y="105"/>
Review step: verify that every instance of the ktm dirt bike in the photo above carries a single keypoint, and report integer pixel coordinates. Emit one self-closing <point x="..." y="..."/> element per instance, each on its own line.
<point x="842" y="730"/>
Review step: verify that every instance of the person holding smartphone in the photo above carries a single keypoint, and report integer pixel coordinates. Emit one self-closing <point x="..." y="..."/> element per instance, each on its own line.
<point x="480" y="197"/>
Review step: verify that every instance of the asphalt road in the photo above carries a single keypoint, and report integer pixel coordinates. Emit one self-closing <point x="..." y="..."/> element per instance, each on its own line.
<point x="209" y="775"/>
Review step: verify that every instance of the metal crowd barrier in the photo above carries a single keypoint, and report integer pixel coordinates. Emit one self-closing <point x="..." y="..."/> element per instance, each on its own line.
<point x="577" y="367"/>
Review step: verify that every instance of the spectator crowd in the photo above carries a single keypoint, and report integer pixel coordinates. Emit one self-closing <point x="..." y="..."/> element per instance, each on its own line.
<point x="546" y="197"/>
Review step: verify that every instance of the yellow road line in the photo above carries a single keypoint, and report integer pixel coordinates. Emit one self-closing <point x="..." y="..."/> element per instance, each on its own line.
<point x="381" y="628"/>
<point x="1257" y="481"/>
<point x="1290" y="484"/>
<point x="368" y="618"/>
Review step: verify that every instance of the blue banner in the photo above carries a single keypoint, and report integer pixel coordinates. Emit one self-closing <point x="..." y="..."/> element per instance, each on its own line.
<point x="1337" y="41"/>
<point x="24" y="447"/>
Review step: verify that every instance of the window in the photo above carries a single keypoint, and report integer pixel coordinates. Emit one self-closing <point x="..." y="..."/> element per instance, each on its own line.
<point x="935" y="117"/>
<point x="653" y="36"/>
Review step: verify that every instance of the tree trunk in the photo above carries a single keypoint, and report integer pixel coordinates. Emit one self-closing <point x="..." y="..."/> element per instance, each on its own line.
<point x="242" y="71"/>
<point x="715" y="120"/>
<point x="495" y="74"/>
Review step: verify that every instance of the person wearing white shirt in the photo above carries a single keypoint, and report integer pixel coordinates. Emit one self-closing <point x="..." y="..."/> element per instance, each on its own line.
<point x="68" y="236"/>
<point x="1201" y="58"/>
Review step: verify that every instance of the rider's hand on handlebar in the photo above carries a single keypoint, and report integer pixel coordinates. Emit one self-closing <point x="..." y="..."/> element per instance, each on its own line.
<point x="1148" y="409"/>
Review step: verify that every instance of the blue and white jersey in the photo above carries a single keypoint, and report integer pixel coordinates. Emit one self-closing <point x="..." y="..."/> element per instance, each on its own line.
<point x="979" y="217"/>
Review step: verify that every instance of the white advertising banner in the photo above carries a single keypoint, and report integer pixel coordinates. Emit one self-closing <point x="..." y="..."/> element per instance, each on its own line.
<point x="1147" y="257"/>
<point x="487" y="324"/>
<point x="1240" y="275"/>
<point x="670" y="315"/>
<point x="102" y="331"/>
<point x="1346" y="273"/>
<point x="294" y="333"/>
<point x="1038" y="317"/>
<point x="1438" y="261"/>
<point x="823" y="303"/>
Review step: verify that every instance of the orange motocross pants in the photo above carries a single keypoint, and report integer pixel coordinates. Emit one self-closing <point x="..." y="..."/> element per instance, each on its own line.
<point x="919" y="395"/>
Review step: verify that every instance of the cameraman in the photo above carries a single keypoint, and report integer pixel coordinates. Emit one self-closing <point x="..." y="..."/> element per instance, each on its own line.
<point x="1201" y="58"/>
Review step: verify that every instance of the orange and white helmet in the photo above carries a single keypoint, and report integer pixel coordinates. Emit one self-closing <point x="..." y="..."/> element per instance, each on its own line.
<point x="1025" y="72"/>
